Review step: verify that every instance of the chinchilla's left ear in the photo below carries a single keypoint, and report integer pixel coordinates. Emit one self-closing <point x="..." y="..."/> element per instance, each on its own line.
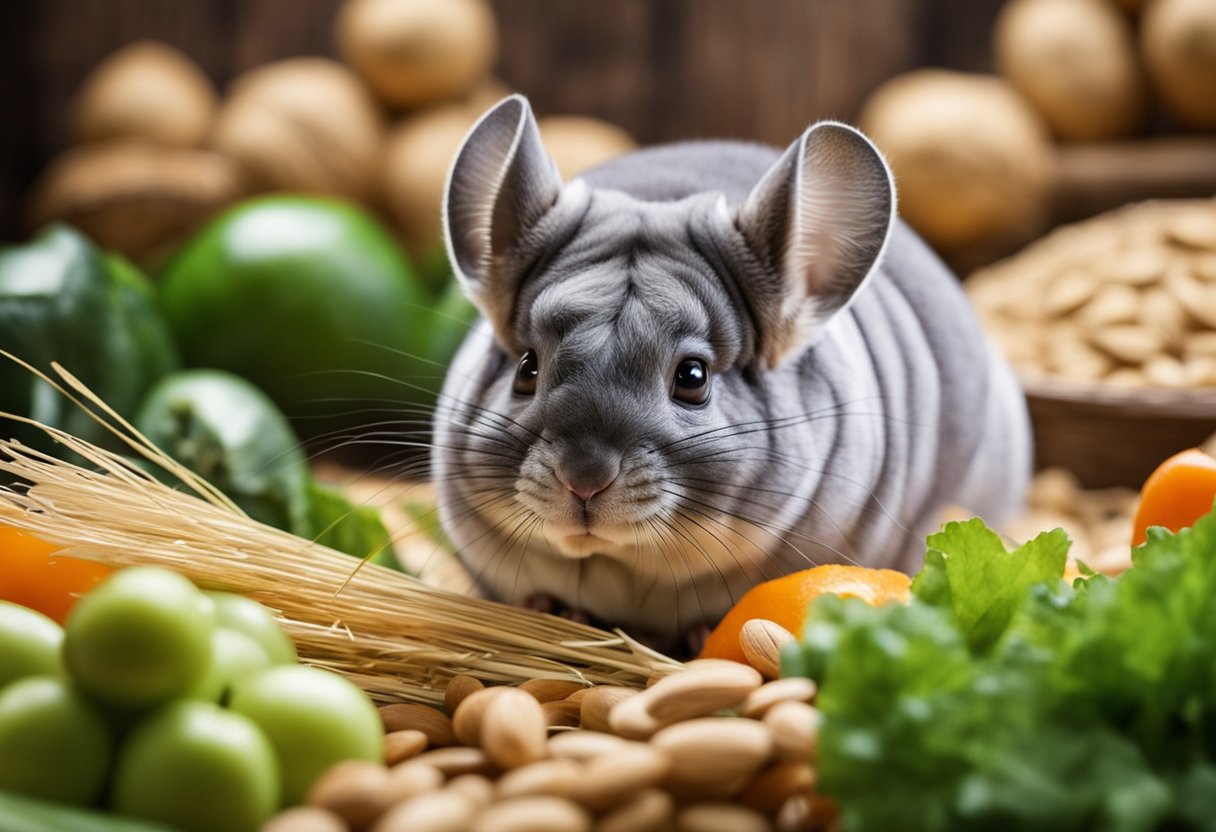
<point x="501" y="183"/>
<point x="817" y="222"/>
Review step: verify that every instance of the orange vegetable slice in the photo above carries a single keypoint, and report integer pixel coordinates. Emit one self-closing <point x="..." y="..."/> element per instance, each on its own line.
<point x="785" y="601"/>
<point x="32" y="576"/>
<point x="1179" y="492"/>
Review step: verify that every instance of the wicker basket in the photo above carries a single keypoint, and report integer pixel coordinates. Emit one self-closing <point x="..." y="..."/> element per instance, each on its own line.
<point x="1114" y="436"/>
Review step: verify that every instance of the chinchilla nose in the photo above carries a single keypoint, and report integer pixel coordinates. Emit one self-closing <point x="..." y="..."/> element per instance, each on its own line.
<point x="586" y="473"/>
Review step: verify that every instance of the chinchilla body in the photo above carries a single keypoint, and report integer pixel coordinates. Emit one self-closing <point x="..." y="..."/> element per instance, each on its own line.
<point x="703" y="366"/>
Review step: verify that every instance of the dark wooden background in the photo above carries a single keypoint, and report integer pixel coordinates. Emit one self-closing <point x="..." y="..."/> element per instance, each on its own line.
<point x="664" y="69"/>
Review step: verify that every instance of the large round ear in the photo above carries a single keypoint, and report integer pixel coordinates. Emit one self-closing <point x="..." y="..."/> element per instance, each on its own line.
<point x="817" y="223"/>
<point x="501" y="183"/>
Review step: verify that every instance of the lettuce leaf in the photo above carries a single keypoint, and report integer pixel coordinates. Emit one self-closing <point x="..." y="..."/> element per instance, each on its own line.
<point x="969" y="571"/>
<point x="1001" y="697"/>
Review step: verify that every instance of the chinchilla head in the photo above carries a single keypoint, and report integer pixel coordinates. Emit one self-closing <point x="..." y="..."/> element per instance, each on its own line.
<point x="600" y="423"/>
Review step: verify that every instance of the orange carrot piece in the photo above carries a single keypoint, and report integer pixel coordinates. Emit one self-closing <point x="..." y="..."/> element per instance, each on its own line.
<point x="1179" y="492"/>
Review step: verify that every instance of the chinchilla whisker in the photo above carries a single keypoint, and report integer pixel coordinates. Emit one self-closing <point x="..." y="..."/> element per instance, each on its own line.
<point x="451" y="401"/>
<point x="680" y="517"/>
<point x="767" y="528"/>
<point x="810" y="503"/>
<point x="684" y="557"/>
<point x="773" y="422"/>
<point x="691" y="539"/>
<point x="524" y="543"/>
<point x="504" y="552"/>
<point x="714" y="515"/>
<point x="663" y="545"/>
<point x="771" y="456"/>
<point x="734" y="551"/>
<point x="802" y="420"/>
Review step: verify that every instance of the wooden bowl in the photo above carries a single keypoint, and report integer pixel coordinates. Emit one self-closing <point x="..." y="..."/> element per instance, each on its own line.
<point x="1115" y="436"/>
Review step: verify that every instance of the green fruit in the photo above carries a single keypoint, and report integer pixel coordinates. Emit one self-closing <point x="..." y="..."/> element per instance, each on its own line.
<point x="53" y="743"/>
<point x="30" y="643"/>
<point x="234" y="656"/>
<point x="62" y="300"/>
<point x="308" y="298"/>
<point x="199" y="768"/>
<point x="313" y="718"/>
<point x="142" y="637"/>
<point x="245" y="615"/>
<point x="231" y="434"/>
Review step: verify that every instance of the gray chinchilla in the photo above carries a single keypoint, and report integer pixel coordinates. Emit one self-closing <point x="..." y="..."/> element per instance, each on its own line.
<point x="702" y="366"/>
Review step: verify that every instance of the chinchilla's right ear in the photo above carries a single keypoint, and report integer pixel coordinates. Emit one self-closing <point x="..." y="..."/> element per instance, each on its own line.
<point x="501" y="183"/>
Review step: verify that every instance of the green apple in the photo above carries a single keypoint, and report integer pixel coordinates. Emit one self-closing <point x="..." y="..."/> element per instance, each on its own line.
<point x="313" y="718"/>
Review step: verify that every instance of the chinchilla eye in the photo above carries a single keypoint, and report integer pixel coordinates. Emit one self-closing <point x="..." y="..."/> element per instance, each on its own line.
<point x="691" y="384"/>
<point x="526" y="373"/>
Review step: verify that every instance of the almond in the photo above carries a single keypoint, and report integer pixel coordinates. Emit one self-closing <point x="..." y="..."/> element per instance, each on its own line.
<point x="629" y="718"/>
<point x="1203" y="266"/>
<point x="583" y="745"/>
<point x="1130" y="344"/>
<point x="513" y="729"/>
<point x="1194" y="295"/>
<point x="411" y="716"/>
<point x="1112" y="305"/>
<point x="443" y="811"/>
<point x="795" y="688"/>
<point x="720" y="817"/>
<point x="762" y="642"/>
<point x="1069" y="292"/>
<point x="795" y="731"/>
<point x="469" y="714"/>
<point x="650" y="811"/>
<point x="354" y="790"/>
<point x="457" y="760"/>
<point x="399" y="746"/>
<point x="1137" y="267"/>
<point x="612" y="778"/>
<point x="1164" y="371"/>
<point x="775" y="785"/>
<point x="796" y="815"/>
<point x="533" y="814"/>
<point x="457" y="689"/>
<point x="699" y="691"/>
<point x="1200" y="344"/>
<point x="476" y="787"/>
<point x="562" y="713"/>
<point x="597" y="702"/>
<point x="1194" y="230"/>
<point x="715" y="753"/>
<point x="550" y="690"/>
<point x="556" y="778"/>
<point x="305" y="819"/>
<point x="410" y="779"/>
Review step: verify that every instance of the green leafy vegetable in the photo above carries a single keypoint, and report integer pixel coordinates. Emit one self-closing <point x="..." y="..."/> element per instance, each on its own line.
<point x="969" y="571"/>
<point x="1003" y="698"/>
<point x="341" y="525"/>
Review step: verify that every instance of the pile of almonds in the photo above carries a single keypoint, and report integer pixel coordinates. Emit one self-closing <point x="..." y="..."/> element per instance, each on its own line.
<point x="1099" y="521"/>
<point x="710" y="747"/>
<point x="1126" y="299"/>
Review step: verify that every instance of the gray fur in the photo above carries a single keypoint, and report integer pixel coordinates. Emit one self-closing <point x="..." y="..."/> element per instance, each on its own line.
<point x="837" y="440"/>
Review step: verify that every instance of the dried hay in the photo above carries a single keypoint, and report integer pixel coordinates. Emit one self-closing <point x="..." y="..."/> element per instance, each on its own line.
<point x="395" y="636"/>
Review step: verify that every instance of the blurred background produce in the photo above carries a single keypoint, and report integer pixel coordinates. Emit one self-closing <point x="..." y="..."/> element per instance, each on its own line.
<point x="275" y="168"/>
